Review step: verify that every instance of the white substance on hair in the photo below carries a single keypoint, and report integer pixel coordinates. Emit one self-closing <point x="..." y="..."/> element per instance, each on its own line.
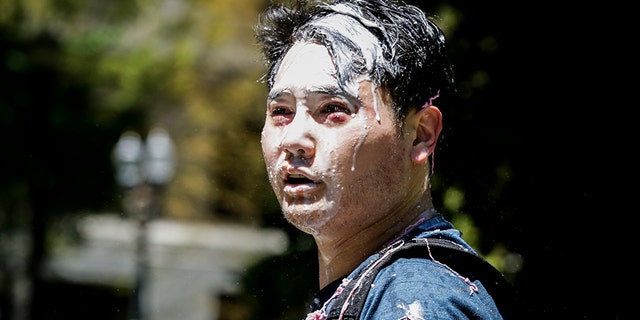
<point x="367" y="42"/>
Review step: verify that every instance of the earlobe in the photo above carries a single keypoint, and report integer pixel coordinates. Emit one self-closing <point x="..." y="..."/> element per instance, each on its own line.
<point x="428" y="125"/>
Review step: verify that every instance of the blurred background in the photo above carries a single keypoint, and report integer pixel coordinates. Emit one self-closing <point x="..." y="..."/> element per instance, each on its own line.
<point x="132" y="184"/>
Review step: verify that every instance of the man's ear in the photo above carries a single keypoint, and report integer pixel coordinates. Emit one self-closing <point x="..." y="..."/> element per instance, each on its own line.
<point x="428" y="122"/>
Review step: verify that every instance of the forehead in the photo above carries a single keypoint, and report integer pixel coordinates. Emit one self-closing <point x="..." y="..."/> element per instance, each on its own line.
<point x="304" y="66"/>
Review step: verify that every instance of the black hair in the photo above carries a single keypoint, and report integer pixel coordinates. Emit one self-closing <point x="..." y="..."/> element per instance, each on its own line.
<point x="403" y="49"/>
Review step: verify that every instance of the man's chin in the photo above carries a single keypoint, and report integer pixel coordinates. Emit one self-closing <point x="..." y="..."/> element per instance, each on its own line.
<point x="302" y="223"/>
<point x="305" y="217"/>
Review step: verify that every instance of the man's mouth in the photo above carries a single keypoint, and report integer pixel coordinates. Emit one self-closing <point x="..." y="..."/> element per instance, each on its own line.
<point x="297" y="179"/>
<point x="299" y="184"/>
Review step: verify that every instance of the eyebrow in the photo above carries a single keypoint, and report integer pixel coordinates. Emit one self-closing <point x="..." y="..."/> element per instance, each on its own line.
<point x="332" y="91"/>
<point x="275" y="95"/>
<point x="327" y="90"/>
<point x="335" y="92"/>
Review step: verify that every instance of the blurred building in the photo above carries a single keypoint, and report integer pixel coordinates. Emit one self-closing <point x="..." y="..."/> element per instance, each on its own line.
<point x="191" y="265"/>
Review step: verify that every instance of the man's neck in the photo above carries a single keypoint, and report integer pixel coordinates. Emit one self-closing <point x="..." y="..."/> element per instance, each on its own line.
<point x="339" y="257"/>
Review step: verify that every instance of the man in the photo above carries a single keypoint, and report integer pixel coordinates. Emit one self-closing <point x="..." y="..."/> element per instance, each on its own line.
<point x="350" y="128"/>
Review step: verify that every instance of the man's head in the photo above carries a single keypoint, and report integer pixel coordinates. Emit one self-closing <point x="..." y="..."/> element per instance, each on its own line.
<point x="341" y="79"/>
<point x="396" y="47"/>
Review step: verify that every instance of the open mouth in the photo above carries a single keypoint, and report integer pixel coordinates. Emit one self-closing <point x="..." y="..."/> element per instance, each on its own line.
<point x="297" y="179"/>
<point x="299" y="184"/>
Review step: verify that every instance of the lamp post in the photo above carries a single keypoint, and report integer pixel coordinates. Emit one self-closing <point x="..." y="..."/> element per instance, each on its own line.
<point x="142" y="171"/>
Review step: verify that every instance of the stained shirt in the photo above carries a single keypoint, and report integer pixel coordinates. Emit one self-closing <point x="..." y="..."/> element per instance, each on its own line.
<point x="416" y="288"/>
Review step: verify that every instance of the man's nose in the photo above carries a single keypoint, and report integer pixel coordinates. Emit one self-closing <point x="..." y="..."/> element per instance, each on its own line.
<point x="298" y="139"/>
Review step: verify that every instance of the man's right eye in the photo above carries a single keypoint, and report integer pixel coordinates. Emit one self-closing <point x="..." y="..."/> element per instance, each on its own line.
<point x="279" y="111"/>
<point x="281" y="115"/>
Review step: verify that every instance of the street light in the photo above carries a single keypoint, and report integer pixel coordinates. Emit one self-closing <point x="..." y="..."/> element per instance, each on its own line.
<point x="142" y="170"/>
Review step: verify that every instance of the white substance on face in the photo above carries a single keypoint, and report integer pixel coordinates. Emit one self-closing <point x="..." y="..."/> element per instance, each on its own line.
<point x="336" y="192"/>
<point x="371" y="52"/>
<point x="375" y="101"/>
<point x="365" y="126"/>
<point x="359" y="143"/>
<point x="284" y="135"/>
<point x="305" y="68"/>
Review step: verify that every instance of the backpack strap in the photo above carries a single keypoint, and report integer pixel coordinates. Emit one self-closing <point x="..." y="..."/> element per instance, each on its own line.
<point x="467" y="264"/>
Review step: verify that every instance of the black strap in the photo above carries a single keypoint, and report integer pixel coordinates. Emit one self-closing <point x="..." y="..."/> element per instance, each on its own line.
<point x="465" y="263"/>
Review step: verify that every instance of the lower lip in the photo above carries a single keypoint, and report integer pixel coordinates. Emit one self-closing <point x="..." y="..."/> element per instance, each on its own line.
<point x="298" y="189"/>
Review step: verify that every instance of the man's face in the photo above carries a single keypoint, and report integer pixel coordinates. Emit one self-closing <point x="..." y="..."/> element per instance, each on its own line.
<point x="335" y="159"/>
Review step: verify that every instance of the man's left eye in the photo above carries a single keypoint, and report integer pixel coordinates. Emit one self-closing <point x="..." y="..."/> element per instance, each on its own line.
<point x="333" y="108"/>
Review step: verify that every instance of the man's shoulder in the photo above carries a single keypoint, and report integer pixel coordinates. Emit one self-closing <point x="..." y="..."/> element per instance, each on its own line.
<point x="442" y="276"/>
<point x="427" y="288"/>
<point x="417" y="272"/>
<point x="419" y="277"/>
